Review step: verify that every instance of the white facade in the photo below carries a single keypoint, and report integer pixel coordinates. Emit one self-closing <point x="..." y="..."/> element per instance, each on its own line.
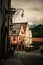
<point x="28" y="36"/>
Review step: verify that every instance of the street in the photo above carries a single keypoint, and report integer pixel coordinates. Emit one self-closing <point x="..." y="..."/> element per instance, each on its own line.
<point x="24" y="58"/>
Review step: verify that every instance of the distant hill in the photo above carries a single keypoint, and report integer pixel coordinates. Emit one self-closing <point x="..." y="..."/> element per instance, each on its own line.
<point x="37" y="31"/>
<point x="31" y="26"/>
<point x="38" y="27"/>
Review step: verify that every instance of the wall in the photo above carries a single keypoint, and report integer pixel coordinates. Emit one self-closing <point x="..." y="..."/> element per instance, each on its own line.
<point x="28" y="37"/>
<point x="4" y="5"/>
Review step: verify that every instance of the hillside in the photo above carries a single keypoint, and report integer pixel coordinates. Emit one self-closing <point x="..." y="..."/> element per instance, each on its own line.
<point x="37" y="31"/>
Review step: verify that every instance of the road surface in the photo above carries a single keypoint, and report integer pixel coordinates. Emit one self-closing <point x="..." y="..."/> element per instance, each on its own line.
<point x="24" y="58"/>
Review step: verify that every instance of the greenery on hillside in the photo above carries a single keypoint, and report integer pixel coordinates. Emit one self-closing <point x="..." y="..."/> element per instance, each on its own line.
<point x="37" y="31"/>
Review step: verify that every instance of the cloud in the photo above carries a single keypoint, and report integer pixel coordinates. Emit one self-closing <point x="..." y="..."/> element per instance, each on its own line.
<point x="36" y="9"/>
<point x="32" y="4"/>
<point x="29" y="0"/>
<point x="32" y="8"/>
<point x="41" y="20"/>
<point x="36" y="21"/>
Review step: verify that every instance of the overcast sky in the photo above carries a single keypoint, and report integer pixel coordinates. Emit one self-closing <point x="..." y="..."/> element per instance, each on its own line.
<point x="33" y="9"/>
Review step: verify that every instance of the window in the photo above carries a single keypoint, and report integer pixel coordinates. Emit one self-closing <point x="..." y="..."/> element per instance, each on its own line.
<point x="21" y="32"/>
<point x="14" y="38"/>
<point x="14" y="31"/>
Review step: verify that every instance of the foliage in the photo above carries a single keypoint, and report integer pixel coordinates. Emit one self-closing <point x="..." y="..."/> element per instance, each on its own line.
<point x="37" y="31"/>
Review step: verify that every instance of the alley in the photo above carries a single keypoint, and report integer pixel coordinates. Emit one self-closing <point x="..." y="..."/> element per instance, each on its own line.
<point x="24" y="58"/>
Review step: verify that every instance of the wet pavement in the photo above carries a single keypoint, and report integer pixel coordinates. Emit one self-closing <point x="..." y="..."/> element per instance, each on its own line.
<point x="25" y="58"/>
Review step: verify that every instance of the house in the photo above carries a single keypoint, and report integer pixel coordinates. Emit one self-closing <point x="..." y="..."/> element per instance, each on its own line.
<point x="17" y="32"/>
<point x="19" y="29"/>
<point x="20" y="33"/>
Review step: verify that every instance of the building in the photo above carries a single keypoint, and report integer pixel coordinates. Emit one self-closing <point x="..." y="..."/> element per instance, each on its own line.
<point x="28" y="36"/>
<point x="5" y="5"/>
<point x="20" y="33"/>
<point x="37" y="43"/>
<point x="19" y="29"/>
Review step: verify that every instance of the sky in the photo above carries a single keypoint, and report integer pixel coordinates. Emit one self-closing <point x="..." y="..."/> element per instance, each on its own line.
<point x="33" y="10"/>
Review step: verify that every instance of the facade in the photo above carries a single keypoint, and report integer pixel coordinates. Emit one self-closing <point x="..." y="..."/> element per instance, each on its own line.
<point x="17" y="34"/>
<point x="18" y="30"/>
<point x="37" y="39"/>
<point x="4" y="26"/>
<point x="28" y="37"/>
<point x="37" y="42"/>
<point x="20" y="33"/>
